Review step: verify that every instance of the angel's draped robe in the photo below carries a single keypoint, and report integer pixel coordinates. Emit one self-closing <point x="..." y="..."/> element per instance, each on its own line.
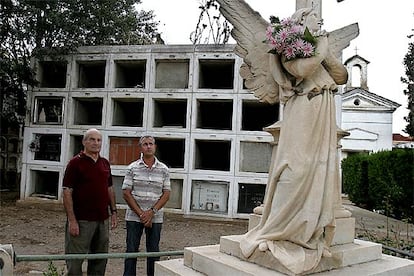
<point x="298" y="204"/>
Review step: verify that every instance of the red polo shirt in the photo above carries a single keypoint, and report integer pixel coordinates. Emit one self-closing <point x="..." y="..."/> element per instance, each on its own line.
<point x="90" y="181"/>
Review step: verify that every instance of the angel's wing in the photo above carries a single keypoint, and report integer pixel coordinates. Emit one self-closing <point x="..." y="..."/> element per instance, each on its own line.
<point x="249" y="30"/>
<point x="341" y="38"/>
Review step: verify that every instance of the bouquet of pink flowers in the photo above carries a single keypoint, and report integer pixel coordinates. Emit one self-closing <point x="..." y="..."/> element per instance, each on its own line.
<point x="290" y="39"/>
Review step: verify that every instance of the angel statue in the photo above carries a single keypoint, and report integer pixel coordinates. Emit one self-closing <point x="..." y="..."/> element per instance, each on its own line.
<point x="298" y="221"/>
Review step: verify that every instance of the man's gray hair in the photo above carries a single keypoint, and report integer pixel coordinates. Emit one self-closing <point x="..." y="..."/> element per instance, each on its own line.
<point x="89" y="132"/>
<point x="145" y="137"/>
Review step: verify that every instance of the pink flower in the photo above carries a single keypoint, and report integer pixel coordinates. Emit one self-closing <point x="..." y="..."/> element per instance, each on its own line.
<point x="288" y="39"/>
<point x="269" y="32"/>
<point x="282" y="35"/>
<point x="287" y="21"/>
<point x="273" y="43"/>
<point x="308" y="49"/>
<point x="279" y="48"/>
<point x="290" y="52"/>
<point x="297" y="29"/>
<point x="299" y="44"/>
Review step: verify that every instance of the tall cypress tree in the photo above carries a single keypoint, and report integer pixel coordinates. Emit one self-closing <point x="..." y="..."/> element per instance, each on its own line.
<point x="409" y="91"/>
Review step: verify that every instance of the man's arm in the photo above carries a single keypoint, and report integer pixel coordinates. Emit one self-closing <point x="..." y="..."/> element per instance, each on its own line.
<point x="130" y="200"/>
<point x="147" y="215"/>
<point x="112" y="201"/>
<point x="68" y="204"/>
<point x="163" y="200"/>
<point x="112" y="206"/>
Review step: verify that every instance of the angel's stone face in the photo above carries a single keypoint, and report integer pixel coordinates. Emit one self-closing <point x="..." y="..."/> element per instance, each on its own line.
<point x="312" y="22"/>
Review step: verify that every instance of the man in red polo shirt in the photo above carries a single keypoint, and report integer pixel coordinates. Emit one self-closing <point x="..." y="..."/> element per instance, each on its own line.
<point x="88" y="196"/>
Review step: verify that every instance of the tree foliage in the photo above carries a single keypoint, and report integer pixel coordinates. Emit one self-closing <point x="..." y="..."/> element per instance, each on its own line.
<point x="35" y="28"/>
<point x="409" y="91"/>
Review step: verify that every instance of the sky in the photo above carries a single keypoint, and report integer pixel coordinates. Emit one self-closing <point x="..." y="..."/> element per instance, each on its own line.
<point x="383" y="27"/>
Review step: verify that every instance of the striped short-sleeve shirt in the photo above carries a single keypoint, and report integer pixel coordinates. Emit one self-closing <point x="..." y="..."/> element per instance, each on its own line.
<point x="146" y="186"/>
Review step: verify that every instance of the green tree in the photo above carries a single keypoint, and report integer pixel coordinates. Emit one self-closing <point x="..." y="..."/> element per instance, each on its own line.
<point x="36" y="28"/>
<point x="409" y="91"/>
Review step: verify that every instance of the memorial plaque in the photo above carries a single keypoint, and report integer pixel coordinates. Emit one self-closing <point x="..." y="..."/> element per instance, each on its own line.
<point x="210" y="196"/>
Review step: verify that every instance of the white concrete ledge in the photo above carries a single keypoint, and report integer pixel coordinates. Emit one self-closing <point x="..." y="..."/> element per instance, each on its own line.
<point x="360" y="258"/>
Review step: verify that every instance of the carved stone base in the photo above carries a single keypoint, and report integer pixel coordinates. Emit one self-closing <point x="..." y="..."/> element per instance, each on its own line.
<point x="342" y="255"/>
<point x="351" y="259"/>
<point x="344" y="230"/>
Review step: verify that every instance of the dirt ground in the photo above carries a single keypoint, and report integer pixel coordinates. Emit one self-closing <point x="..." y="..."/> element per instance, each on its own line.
<point x="34" y="228"/>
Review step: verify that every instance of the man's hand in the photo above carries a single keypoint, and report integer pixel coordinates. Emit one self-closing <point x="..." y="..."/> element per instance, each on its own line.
<point x="146" y="218"/>
<point x="74" y="228"/>
<point x="114" y="220"/>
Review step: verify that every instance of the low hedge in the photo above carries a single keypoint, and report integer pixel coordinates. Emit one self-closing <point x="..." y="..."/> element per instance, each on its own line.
<point x="382" y="181"/>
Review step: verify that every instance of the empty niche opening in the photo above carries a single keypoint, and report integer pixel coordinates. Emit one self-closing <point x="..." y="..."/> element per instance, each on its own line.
<point x="3" y="144"/>
<point x="52" y="74"/>
<point x="48" y="110"/>
<point x="75" y="144"/>
<point x="45" y="184"/>
<point x="212" y="155"/>
<point x="123" y="150"/>
<point x="257" y="115"/>
<point x="91" y="74"/>
<point x="117" y="186"/>
<point x="209" y="196"/>
<point x="88" y="111"/>
<point x="216" y="73"/>
<point x="176" y="194"/>
<point x="130" y="73"/>
<point x="12" y="163"/>
<point x="128" y="112"/>
<point x="255" y="157"/>
<point x="170" y="113"/>
<point x="46" y="147"/>
<point x="10" y="179"/>
<point x="8" y="176"/>
<point x="171" y="152"/>
<point x="13" y="145"/>
<point x="214" y="114"/>
<point x="172" y="73"/>
<point x="250" y="196"/>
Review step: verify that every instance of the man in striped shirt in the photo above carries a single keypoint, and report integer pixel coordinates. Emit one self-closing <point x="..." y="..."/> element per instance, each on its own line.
<point x="146" y="189"/>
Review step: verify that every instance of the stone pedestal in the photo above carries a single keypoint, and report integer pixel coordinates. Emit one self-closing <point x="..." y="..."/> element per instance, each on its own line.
<point x="342" y="255"/>
<point x="359" y="258"/>
<point x="349" y="257"/>
<point x="344" y="230"/>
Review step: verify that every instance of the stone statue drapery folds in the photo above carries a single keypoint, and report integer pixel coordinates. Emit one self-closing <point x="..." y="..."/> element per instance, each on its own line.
<point x="297" y="223"/>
